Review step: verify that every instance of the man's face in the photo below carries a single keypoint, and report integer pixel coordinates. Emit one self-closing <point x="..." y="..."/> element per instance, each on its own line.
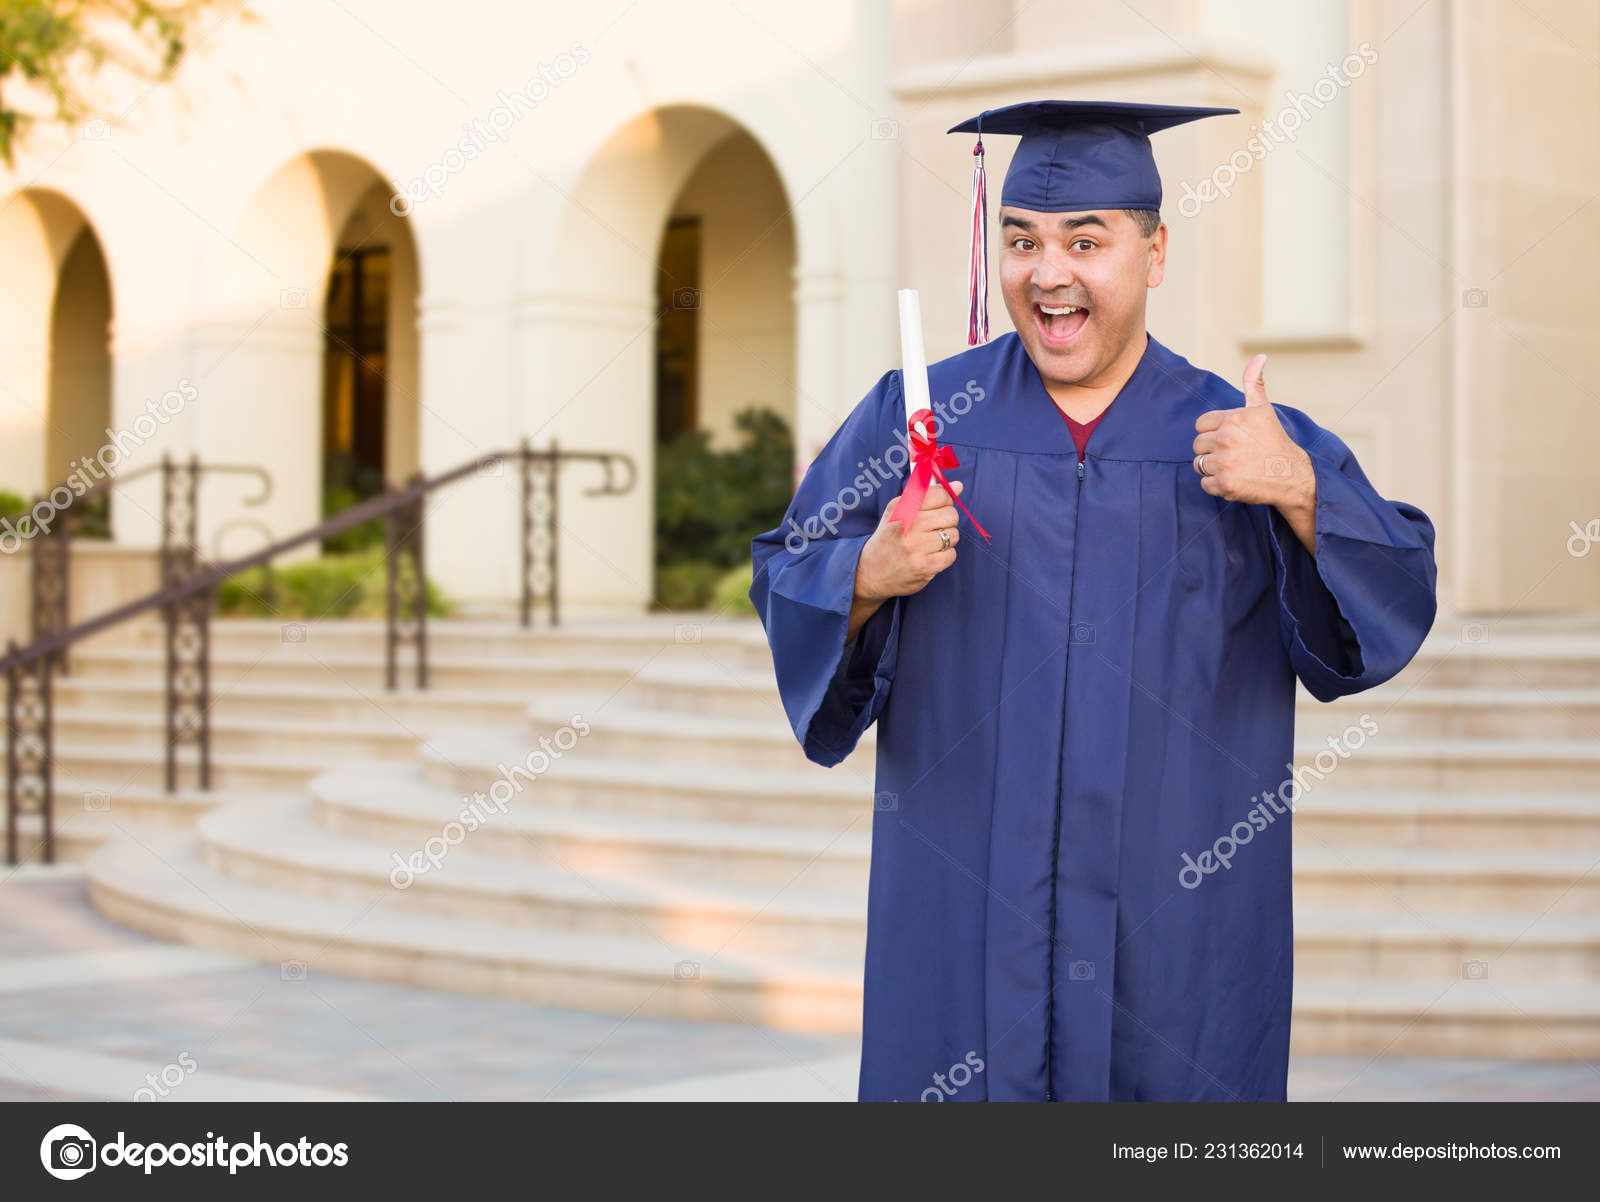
<point x="1096" y="263"/>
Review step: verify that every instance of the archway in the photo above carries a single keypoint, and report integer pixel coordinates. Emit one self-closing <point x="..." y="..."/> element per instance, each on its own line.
<point x="725" y="325"/>
<point x="55" y="358"/>
<point x="609" y="343"/>
<point x="320" y="392"/>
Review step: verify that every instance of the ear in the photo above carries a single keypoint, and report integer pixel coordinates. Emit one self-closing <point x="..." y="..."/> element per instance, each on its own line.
<point x="1156" y="270"/>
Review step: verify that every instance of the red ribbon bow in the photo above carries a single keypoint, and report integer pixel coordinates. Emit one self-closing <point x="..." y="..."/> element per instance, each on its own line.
<point x="929" y="460"/>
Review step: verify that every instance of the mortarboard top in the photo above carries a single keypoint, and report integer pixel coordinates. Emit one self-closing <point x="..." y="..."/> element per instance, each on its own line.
<point x="1075" y="155"/>
<point x="1082" y="154"/>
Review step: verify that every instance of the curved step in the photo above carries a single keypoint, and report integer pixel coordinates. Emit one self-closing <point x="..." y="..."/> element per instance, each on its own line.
<point x="1468" y="652"/>
<point x="144" y="767"/>
<point x="245" y="699"/>
<point x="1446" y="882"/>
<point x="473" y="637"/>
<point x="286" y="850"/>
<point x="586" y="778"/>
<point x="164" y="888"/>
<point x="298" y="662"/>
<point x="623" y="729"/>
<point x="1457" y="765"/>
<point x="372" y="734"/>
<point x="1460" y="1018"/>
<point x="1330" y="818"/>
<point x="1523" y="948"/>
<point x="1405" y="709"/>
<point x="391" y="803"/>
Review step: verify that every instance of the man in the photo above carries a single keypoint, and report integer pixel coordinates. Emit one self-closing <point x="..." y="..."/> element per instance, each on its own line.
<point x="1071" y="715"/>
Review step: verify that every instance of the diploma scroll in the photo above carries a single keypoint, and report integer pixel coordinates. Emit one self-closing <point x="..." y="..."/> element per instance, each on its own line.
<point x="928" y="458"/>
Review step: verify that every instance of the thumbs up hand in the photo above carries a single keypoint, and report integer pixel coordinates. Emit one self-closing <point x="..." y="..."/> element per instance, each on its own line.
<point x="1246" y="455"/>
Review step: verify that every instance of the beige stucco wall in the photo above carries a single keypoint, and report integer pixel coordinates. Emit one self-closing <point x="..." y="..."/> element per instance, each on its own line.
<point x="1461" y="162"/>
<point x="1458" y="166"/>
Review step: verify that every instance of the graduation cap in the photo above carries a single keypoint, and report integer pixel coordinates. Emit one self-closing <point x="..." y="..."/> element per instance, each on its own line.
<point x="1074" y="155"/>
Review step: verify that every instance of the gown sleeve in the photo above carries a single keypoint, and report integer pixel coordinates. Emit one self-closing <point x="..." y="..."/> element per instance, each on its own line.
<point x="804" y="580"/>
<point x="1352" y="615"/>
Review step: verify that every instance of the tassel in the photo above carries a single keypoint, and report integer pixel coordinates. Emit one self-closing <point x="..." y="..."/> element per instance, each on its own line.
<point x="978" y="264"/>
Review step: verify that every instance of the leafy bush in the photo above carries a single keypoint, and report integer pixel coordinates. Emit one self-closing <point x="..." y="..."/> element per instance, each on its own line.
<point x="732" y="596"/>
<point x="89" y="515"/>
<point x="14" y="508"/>
<point x="367" y="534"/>
<point x="350" y="585"/>
<point x="710" y="504"/>
<point x="687" y="585"/>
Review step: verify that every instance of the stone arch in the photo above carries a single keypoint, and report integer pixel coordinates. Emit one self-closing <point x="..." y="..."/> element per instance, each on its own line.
<point x="588" y="306"/>
<point x="265" y="342"/>
<point x="55" y="359"/>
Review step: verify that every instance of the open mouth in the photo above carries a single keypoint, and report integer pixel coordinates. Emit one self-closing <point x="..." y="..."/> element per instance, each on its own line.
<point x="1059" y="324"/>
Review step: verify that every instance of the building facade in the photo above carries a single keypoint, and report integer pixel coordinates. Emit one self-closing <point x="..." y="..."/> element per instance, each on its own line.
<point x="349" y="244"/>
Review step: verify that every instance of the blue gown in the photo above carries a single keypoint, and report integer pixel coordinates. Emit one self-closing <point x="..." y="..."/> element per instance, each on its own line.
<point x="1071" y="715"/>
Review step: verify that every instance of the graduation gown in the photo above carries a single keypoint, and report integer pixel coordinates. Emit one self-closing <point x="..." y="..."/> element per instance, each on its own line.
<point x="1068" y="712"/>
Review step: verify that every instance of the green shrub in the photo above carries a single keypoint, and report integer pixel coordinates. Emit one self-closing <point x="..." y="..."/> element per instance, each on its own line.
<point x="732" y="596"/>
<point x="14" y="508"/>
<point x="710" y="504"/>
<point x="687" y="585"/>
<point x="368" y="534"/>
<point x="350" y="585"/>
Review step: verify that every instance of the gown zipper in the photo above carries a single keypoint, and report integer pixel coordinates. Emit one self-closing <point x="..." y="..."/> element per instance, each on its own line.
<point x="1055" y="840"/>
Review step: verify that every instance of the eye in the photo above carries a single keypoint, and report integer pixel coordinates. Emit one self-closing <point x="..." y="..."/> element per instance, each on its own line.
<point x="1021" y="243"/>
<point x="1085" y="243"/>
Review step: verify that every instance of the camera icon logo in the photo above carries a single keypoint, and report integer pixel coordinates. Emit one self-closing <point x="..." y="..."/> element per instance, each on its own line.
<point x="294" y="632"/>
<point x="1083" y="632"/>
<point x="686" y="970"/>
<point x="292" y="970"/>
<point x="686" y="632"/>
<point x="885" y="129"/>
<point x="1080" y="970"/>
<point x="1475" y="298"/>
<point x="1475" y="970"/>
<point x="686" y="298"/>
<point x="492" y="465"/>
<point x="97" y="800"/>
<point x="96" y="129"/>
<point x="1278" y="466"/>
<point x="292" y="298"/>
<point x="67" y="1152"/>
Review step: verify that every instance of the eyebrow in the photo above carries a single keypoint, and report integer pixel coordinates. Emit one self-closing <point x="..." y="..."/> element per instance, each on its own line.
<point x="1067" y="223"/>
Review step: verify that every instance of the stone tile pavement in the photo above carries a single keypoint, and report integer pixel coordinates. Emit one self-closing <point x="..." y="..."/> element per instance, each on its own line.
<point x="90" y="1011"/>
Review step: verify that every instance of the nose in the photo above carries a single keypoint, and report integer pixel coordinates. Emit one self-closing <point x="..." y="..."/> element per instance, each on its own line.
<point x="1052" y="271"/>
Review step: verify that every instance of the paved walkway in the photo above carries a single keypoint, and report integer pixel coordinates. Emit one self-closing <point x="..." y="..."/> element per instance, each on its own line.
<point x="92" y="1011"/>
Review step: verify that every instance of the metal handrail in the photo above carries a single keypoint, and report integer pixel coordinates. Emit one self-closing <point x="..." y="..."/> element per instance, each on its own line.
<point x="185" y="601"/>
<point x="51" y="575"/>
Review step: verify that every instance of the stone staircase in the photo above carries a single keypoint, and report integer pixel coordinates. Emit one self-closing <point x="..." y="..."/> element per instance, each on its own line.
<point x="678" y="856"/>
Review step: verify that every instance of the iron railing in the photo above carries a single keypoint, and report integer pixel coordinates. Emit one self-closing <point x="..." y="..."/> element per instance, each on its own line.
<point x="186" y="597"/>
<point x="51" y="562"/>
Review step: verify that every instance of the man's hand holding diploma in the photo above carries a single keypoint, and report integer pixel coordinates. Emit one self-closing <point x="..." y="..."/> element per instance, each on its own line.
<point x="899" y="560"/>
